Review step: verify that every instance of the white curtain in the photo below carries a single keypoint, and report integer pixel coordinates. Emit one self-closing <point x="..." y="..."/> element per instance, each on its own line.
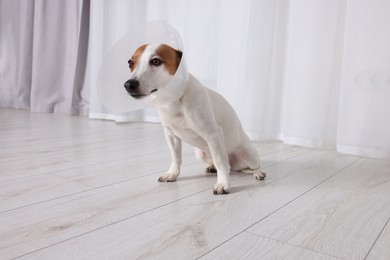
<point x="43" y="53"/>
<point x="308" y="72"/>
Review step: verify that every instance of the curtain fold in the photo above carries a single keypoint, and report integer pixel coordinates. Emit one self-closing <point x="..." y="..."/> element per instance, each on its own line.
<point x="43" y="53"/>
<point x="312" y="76"/>
<point x="16" y="26"/>
<point x="307" y="72"/>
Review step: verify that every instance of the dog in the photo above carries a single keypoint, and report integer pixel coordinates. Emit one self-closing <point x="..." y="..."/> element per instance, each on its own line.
<point x="200" y="117"/>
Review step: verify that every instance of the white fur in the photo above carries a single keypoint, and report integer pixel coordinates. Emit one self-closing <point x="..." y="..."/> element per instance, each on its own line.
<point x="204" y="119"/>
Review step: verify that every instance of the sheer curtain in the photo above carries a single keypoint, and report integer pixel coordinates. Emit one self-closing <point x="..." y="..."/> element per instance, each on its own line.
<point x="308" y="72"/>
<point x="364" y="107"/>
<point x="43" y="55"/>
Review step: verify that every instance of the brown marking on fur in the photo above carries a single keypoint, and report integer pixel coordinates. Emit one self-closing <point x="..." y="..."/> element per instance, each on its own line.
<point x="137" y="55"/>
<point x="170" y="57"/>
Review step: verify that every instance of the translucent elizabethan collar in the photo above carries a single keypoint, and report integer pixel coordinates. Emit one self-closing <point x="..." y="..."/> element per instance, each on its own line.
<point x="114" y="71"/>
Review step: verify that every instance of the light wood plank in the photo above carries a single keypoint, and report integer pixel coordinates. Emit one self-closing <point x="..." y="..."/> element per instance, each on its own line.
<point x="115" y="171"/>
<point x="49" y="156"/>
<point x="30" y="190"/>
<point x="65" y="139"/>
<point x="52" y="138"/>
<point x="22" y="126"/>
<point x="56" y="162"/>
<point x="189" y="227"/>
<point x="341" y="217"/>
<point x="25" y="230"/>
<point x="250" y="246"/>
<point x="381" y="249"/>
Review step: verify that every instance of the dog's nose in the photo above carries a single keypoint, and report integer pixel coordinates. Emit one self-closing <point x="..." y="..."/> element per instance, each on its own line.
<point x="131" y="84"/>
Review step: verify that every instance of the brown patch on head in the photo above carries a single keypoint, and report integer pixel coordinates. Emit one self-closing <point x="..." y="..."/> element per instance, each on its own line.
<point x="170" y="57"/>
<point x="133" y="62"/>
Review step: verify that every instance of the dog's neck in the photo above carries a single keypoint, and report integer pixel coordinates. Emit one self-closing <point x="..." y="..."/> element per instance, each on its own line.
<point x="171" y="93"/>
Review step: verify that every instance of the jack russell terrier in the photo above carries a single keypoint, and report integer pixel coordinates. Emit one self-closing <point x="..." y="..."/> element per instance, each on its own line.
<point x="200" y="117"/>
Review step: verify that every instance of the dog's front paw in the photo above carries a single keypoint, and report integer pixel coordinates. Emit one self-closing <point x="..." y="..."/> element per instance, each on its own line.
<point x="168" y="177"/>
<point x="259" y="174"/>
<point x="221" y="188"/>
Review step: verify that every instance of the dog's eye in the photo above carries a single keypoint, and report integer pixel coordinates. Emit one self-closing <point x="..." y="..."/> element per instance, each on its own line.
<point x="156" y="62"/>
<point x="131" y="63"/>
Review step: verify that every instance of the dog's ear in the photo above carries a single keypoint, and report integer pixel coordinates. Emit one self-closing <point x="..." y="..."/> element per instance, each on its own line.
<point x="179" y="54"/>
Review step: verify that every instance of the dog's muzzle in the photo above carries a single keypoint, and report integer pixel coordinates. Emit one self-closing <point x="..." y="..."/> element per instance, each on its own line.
<point x="131" y="85"/>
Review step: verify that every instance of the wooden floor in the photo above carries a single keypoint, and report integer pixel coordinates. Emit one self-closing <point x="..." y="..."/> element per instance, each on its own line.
<point x="74" y="188"/>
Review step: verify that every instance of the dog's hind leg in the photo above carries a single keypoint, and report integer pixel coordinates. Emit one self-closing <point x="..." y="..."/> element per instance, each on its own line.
<point x="211" y="169"/>
<point x="258" y="173"/>
<point x="252" y="163"/>
<point x="202" y="156"/>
